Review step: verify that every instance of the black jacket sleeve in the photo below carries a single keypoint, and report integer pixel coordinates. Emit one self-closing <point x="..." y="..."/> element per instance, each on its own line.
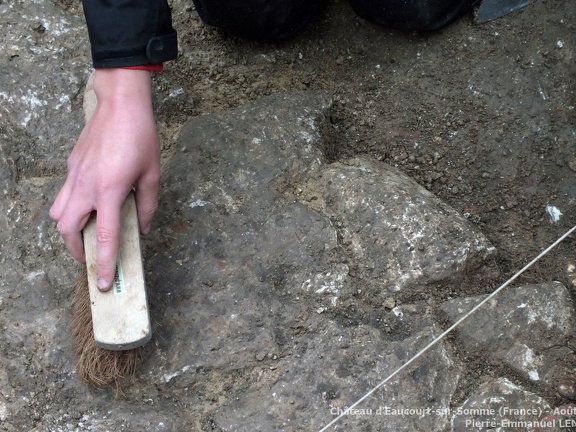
<point x="130" y="32"/>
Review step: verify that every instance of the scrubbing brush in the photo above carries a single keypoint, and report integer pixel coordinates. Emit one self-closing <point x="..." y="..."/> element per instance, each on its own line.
<point x="109" y="327"/>
<point x="97" y="366"/>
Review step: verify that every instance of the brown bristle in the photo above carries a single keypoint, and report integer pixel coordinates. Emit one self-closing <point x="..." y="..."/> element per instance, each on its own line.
<point x="95" y="365"/>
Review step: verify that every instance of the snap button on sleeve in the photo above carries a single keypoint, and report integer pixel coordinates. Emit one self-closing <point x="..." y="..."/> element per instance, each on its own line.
<point x="162" y="48"/>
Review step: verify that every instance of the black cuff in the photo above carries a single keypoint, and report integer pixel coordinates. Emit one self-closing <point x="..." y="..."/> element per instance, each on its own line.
<point x="130" y="32"/>
<point x="158" y="50"/>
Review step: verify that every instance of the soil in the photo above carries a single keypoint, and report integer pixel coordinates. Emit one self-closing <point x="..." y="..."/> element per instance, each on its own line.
<point x="481" y="114"/>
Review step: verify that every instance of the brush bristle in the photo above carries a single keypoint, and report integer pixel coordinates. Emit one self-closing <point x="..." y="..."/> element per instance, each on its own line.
<point x="95" y="365"/>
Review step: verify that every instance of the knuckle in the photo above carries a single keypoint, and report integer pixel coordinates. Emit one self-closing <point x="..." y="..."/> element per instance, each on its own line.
<point x="63" y="228"/>
<point x="104" y="236"/>
<point x="54" y="214"/>
<point x="104" y="185"/>
<point x="106" y="189"/>
<point x="80" y="179"/>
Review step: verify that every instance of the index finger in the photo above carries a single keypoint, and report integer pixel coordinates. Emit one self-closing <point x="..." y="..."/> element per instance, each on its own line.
<point x="108" y="222"/>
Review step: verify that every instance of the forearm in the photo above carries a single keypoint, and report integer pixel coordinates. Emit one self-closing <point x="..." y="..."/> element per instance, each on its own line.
<point x="130" y="32"/>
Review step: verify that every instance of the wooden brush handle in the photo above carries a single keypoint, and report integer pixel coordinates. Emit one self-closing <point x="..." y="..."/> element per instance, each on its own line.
<point x="120" y="316"/>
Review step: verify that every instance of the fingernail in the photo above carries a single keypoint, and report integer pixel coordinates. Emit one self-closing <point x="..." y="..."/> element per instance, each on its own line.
<point x="147" y="229"/>
<point x="103" y="285"/>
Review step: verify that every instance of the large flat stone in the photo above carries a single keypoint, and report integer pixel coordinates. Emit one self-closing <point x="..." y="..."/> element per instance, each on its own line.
<point x="253" y="292"/>
<point x="335" y="366"/>
<point x="399" y="235"/>
<point x="44" y="63"/>
<point x="529" y="328"/>
<point x="500" y="405"/>
<point x="249" y="278"/>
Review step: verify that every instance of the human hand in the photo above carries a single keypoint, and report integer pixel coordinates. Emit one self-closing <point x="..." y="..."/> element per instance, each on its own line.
<point x="118" y="150"/>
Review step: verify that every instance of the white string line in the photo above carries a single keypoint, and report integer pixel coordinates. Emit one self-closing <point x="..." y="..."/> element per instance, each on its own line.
<point x="449" y="329"/>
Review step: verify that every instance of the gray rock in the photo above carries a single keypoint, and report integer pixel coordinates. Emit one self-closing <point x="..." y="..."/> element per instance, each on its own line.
<point x="255" y="297"/>
<point x="400" y="236"/>
<point x="278" y="298"/>
<point x="244" y="261"/>
<point x="500" y="405"/>
<point x="333" y="368"/>
<point x="8" y="187"/>
<point x="38" y="115"/>
<point x="258" y="279"/>
<point x="529" y="328"/>
<point x="35" y="349"/>
<point x="7" y="172"/>
<point x="43" y="63"/>
<point x="559" y="419"/>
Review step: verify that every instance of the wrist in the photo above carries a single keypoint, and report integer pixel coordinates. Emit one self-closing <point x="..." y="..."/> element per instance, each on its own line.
<point x="123" y="86"/>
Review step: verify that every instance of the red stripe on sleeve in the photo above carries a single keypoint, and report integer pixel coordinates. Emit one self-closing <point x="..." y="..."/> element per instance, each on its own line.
<point x="152" y="67"/>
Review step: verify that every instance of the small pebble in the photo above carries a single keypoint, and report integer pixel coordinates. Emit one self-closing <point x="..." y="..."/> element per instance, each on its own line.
<point x="567" y="388"/>
<point x="389" y="303"/>
<point x="571" y="273"/>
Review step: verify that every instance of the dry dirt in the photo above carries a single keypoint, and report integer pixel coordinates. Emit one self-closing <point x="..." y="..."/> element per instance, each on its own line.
<point x="482" y="115"/>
